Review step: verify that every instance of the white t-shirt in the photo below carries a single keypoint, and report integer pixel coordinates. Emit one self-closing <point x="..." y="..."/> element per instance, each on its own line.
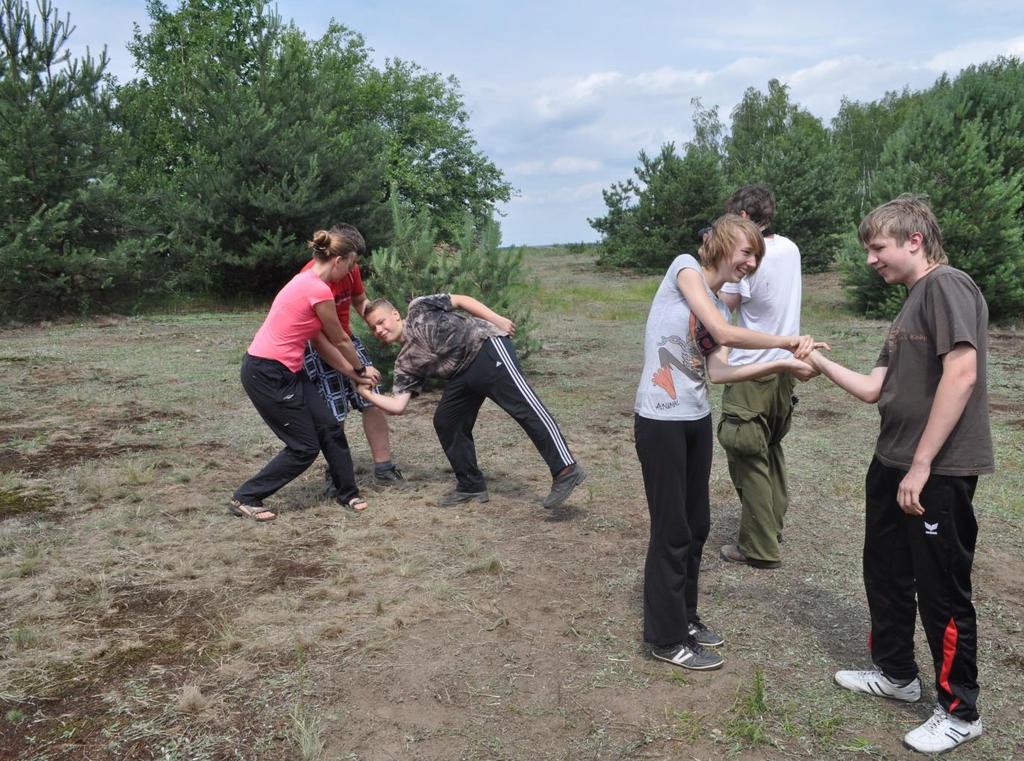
<point x="674" y="382"/>
<point x="770" y="299"/>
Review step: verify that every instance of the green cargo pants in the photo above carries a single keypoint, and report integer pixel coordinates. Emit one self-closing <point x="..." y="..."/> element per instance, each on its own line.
<point x="756" y="415"/>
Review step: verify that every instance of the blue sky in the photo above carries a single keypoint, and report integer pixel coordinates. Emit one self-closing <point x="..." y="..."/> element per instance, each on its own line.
<point x="563" y="95"/>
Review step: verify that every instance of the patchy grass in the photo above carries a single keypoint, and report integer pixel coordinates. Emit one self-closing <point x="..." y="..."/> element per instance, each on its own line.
<point x="142" y="621"/>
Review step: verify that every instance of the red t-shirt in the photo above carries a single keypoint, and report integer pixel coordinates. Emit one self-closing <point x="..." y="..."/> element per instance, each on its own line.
<point x="292" y="321"/>
<point x="344" y="291"/>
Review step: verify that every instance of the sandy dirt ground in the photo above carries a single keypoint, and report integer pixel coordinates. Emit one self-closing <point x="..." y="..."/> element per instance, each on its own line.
<point x="141" y="621"/>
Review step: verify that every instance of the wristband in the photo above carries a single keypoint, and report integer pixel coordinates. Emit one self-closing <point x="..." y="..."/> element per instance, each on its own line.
<point x="360" y="371"/>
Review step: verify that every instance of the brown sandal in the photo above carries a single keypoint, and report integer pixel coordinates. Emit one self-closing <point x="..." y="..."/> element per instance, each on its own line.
<point x="257" y="513"/>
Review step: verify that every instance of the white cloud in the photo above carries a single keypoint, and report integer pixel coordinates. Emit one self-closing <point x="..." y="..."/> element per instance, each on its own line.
<point x="576" y="97"/>
<point x="527" y="168"/>
<point x="588" y="191"/>
<point x="560" y="165"/>
<point x="976" y="51"/>
<point x="666" y="80"/>
<point x="574" y="165"/>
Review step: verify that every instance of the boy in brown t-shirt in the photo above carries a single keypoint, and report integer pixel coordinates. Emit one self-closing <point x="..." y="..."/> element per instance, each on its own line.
<point x="920" y="530"/>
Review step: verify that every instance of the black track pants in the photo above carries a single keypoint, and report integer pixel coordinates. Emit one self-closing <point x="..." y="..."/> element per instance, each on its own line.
<point x="296" y="412"/>
<point x="930" y="555"/>
<point x="675" y="458"/>
<point x="497" y="375"/>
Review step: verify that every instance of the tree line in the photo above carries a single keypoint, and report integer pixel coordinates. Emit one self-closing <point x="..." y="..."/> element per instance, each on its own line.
<point x="960" y="142"/>
<point x="205" y="173"/>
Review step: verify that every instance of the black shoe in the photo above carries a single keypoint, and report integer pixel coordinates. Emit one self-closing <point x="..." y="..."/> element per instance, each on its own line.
<point x="458" y="497"/>
<point x="689" y="655"/>
<point x="563" y="486"/>
<point x="702" y="635"/>
<point x="390" y="477"/>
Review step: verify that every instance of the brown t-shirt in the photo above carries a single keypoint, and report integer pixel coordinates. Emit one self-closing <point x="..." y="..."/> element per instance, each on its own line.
<point x="944" y="308"/>
<point x="439" y="342"/>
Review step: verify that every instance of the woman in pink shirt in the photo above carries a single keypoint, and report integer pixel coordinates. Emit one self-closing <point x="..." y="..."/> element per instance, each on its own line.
<point x="282" y="393"/>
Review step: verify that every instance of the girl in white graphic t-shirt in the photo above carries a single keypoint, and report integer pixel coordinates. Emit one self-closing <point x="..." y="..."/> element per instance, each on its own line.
<point x="684" y="347"/>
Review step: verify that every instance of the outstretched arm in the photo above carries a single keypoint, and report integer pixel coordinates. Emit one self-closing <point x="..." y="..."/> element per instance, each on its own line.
<point x="720" y="371"/>
<point x="332" y="333"/>
<point x="481" y="310"/>
<point x="392" y="405"/>
<point x="959" y="375"/>
<point x="865" y="387"/>
<point x="691" y="285"/>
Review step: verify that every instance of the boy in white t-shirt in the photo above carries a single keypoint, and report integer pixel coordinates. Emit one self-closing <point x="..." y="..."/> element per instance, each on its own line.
<point x="756" y="414"/>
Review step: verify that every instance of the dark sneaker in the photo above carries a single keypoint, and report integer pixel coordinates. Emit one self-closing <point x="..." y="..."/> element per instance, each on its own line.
<point x="458" y="497"/>
<point x="734" y="554"/>
<point x="390" y="477"/>
<point x="563" y="486"/>
<point x="702" y="635"/>
<point x="690" y="655"/>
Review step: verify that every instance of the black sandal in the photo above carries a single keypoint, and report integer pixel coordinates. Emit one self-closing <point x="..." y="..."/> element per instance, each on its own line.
<point x="252" y="512"/>
<point x="356" y="504"/>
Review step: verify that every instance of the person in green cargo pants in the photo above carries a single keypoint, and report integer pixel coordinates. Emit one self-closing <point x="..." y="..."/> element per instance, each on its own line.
<point x="756" y="415"/>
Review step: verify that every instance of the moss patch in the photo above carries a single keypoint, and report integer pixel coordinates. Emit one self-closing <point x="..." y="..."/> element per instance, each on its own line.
<point x="16" y="502"/>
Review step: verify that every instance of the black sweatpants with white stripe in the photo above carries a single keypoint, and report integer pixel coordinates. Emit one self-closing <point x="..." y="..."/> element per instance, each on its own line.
<point x="495" y="374"/>
<point x="924" y="559"/>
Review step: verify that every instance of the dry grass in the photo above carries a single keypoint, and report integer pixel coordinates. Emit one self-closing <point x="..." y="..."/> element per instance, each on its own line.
<point x="143" y="622"/>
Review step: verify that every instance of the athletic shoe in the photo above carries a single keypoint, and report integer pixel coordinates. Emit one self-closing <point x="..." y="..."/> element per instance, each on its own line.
<point x="734" y="554"/>
<point x="458" y="497"/>
<point x="942" y="732"/>
<point x="702" y="635"/>
<point x="689" y="655"/>
<point x="878" y="684"/>
<point x="563" y="486"/>
<point x="390" y="477"/>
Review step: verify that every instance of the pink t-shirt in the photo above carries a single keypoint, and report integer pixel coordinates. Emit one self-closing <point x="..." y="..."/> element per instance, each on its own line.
<point x="292" y="320"/>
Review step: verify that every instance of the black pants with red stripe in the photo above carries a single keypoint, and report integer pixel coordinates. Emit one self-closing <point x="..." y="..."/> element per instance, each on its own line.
<point x="494" y="374"/>
<point x="930" y="555"/>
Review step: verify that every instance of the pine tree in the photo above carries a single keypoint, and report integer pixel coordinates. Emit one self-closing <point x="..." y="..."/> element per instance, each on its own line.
<point x="775" y="142"/>
<point x="655" y="216"/>
<point x="62" y="246"/>
<point x="953" y="149"/>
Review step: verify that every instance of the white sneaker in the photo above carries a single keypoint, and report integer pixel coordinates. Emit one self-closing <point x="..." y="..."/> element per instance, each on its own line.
<point x="942" y="732"/>
<point x="878" y="684"/>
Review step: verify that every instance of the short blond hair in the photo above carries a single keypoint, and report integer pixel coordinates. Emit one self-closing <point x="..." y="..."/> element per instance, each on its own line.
<point x="902" y="217"/>
<point x="376" y="304"/>
<point x="726" y="232"/>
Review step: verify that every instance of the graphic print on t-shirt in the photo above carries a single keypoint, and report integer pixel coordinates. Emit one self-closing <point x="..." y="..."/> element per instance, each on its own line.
<point x="682" y="354"/>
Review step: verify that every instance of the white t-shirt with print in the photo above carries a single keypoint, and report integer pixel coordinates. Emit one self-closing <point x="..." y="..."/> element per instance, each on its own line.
<point x="674" y="382"/>
<point x="770" y="299"/>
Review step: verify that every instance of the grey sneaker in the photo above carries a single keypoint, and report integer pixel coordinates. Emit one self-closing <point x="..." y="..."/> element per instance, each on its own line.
<point x="689" y="655"/>
<point x="563" y="486"/>
<point x="458" y="497"/>
<point x="702" y="635"/>
<point x="390" y="477"/>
